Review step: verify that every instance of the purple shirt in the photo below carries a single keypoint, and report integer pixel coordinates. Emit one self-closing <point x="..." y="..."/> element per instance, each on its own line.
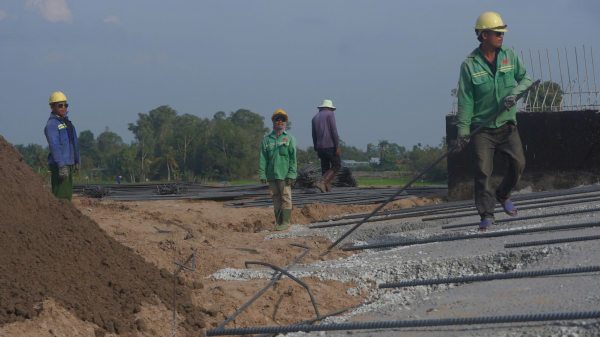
<point x="324" y="130"/>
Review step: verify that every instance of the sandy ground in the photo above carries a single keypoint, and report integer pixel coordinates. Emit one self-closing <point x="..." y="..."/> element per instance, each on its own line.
<point x="222" y="238"/>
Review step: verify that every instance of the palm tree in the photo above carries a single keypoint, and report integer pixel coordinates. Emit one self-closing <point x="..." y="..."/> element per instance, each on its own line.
<point x="383" y="145"/>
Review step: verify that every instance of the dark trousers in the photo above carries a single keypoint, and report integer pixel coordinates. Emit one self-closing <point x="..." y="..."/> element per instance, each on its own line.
<point x="329" y="160"/>
<point x="484" y="144"/>
<point x="62" y="189"/>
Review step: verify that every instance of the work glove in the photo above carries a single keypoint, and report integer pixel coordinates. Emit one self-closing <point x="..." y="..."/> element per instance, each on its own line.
<point x="77" y="167"/>
<point x="461" y="142"/>
<point x="63" y="172"/>
<point x="510" y="101"/>
<point x="263" y="181"/>
<point x="338" y="151"/>
<point x="289" y="181"/>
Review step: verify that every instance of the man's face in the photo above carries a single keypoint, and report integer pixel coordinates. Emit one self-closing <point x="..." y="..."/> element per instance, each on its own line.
<point x="279" y="121"/>
<point x="495" y="39"/>
<point x="59" y="108"/>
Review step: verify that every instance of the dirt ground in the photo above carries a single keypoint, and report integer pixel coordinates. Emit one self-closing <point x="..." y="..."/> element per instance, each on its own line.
<point x="103" y="268"/>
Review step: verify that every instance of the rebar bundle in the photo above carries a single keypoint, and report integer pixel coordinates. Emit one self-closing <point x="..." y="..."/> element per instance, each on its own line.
<point x="309" y="175"/>
<point x="95" y="191"/>
<point x="172" y="188"/>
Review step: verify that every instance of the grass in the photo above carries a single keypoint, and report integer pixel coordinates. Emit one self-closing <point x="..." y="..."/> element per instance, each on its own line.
<point x="395" y="182"/>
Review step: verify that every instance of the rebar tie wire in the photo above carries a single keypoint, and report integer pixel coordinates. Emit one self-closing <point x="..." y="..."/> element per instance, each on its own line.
<point x="410" y="324"/>
<point x="524" y="274"/>
<point x="474" y="236"/>
<point x="181" y="267"/>
<point x="549" y="242"/>
<point x="450" y="150"/>
<point x="312" y="299"/>
<point x="538" y="216"/>
<point x="276" y="277"/>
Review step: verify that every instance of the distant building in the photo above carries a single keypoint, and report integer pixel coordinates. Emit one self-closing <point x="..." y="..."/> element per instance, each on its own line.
<point x="353" y="163"/>
<point x="375" y="161"/>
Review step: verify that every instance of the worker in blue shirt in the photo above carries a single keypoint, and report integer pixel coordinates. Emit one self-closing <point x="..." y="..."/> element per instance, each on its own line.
<point x="63" y="159"/>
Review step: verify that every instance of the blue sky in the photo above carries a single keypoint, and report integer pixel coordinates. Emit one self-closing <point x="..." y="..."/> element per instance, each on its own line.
<point x="388" y="66"/>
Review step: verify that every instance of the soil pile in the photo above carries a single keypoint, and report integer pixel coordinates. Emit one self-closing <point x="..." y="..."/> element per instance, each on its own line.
<point x="50" y="250"/>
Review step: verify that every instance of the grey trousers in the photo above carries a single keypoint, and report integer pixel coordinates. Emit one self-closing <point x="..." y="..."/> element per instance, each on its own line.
<point x="484" y="144"/>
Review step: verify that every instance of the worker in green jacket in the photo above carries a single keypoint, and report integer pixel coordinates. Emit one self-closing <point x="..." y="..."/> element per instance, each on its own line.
<point x="487" y="83"/>
<point x="278" y="168"/>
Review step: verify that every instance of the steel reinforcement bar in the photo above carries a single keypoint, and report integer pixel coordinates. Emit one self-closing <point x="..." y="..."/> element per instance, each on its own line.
<point x="549" y="242"/>
<point x="523" y="274"/>
<point x="473" y="236"/>
<point x="521" y="208"/>
<point x="538" y="216"/>
<point x="409" y="324"/>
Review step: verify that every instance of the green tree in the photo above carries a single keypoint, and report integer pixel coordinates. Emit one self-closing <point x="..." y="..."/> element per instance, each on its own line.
<point x="546" y="96"/>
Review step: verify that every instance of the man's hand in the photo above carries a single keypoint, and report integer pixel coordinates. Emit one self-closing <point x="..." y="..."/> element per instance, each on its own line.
<point x="77" y="168"/>
<point x="63" y="173"/>
<point x="263" y="181"/>
<point x="510" y="101"/>
<point x="338" y="151"/>
<point x="289" y="181"/>
<point x="461" y="142"/>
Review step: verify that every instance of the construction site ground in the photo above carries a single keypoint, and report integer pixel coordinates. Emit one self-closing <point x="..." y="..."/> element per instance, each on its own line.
<point x="105" y="268"/>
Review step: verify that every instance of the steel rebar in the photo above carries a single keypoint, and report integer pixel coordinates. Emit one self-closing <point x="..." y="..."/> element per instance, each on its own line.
<point x="553" y="241"/>
<point x="473" y="236"/>
<point x="504" y="276"/>
<point x="537" y="216"/>
<point x="409" y="324"/>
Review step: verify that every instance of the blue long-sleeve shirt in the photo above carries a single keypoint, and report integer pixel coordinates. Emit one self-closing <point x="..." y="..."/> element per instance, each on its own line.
<point x="63" y="151"/>
<point x="324" y="130"/>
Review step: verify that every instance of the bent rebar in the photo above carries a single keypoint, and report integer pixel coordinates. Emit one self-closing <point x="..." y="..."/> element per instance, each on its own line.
<point x="409" y="324"/>
<point x="290" y="276"/>
<point x="276" y="277"/>
<point x="538" y="216"/>
<point x="473" y="236"/>
<point x="450" y="150"/>
<point x="523" y="274"/>
<point x="549" y="242"/>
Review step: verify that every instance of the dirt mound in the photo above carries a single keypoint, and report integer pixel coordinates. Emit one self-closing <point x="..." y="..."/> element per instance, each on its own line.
<point x="50" y="250"/>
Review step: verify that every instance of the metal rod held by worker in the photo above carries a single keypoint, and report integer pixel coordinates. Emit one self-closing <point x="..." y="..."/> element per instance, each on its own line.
<point x="494" y="116"/>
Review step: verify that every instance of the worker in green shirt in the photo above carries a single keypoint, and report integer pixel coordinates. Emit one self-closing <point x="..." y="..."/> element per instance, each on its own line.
<point x="278" y="168"/>
<point x="487" y="82"/>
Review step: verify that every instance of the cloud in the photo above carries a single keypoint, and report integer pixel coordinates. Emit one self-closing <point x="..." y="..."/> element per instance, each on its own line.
<point x="3" y="15"/>
<point x="51" y="10"/>
<point x="112" y="19"/>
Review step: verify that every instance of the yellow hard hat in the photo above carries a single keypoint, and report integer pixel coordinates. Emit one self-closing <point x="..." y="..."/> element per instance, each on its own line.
<point x="279" y="112"/>
<point x="490" y="21"/>
<point x="57" y="96"/>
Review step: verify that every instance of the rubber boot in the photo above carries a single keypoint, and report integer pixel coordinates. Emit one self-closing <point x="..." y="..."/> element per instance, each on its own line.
<point x="286" y="215"/>
<point x="325" y="180"/>
<point x="278" y="216"/>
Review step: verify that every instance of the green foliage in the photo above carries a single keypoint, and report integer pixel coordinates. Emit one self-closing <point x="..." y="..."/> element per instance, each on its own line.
<point x="546" y="96"/>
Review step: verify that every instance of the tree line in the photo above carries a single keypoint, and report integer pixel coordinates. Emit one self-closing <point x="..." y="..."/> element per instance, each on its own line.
<point x="168" y="146"/>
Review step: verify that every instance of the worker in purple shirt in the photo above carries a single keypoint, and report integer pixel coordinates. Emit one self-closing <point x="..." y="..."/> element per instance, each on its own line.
<point x="327" y="144"/>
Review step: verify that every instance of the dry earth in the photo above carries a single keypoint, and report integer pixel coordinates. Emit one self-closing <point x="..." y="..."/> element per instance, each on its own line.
<point x="221" y="237"/>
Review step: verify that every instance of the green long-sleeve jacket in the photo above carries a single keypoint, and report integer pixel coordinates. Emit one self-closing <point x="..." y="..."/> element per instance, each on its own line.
<point x="481" y="93"/>
<point x="278" y="157"/>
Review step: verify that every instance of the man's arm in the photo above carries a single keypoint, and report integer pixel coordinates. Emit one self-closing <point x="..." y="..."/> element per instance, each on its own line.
<point x="53" y="139"/>
<point x="314" y="135"/>
<point x="293" y="169"/>
<point x="333" y="131"/>
<point x="521" y="76"/>
<point x="465" y="101"/>
<point x="262" y="166"/>
<point x="76" y="147"/>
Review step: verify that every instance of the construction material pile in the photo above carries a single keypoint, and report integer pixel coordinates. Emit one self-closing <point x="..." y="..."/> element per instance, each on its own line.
<point x="309" y="175"/>
<point x="172" y="188"/>
<point x="51" y="250"/>
<point x="95" y="191"/>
